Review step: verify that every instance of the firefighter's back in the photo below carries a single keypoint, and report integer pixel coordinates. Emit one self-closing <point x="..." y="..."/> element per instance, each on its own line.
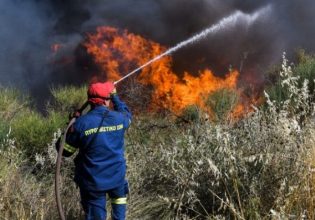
<point x="100" y="163"/>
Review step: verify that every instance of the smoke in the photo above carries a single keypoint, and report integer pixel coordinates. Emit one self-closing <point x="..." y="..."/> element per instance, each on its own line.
<point x="287" y="26"/>
<point x="22" y="37"/>
<point x="30" y="28"/>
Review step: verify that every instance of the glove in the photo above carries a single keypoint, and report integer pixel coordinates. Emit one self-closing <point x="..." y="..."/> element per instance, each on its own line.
<point x="74" y="114"/>
<point x="113" y="92"/>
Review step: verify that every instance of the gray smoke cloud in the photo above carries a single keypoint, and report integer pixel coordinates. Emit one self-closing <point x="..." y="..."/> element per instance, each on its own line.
<point x="23" y="34"/>
<point x="30" y="28"/>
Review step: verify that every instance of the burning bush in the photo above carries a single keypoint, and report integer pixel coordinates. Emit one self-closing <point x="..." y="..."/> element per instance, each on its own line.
<point x="116" y="52"/>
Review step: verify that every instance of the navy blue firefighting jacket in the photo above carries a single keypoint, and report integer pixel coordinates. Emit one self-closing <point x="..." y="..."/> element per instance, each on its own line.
<point x="99" y="136"/>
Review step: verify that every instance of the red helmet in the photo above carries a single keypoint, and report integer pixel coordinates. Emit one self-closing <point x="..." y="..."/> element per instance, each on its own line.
<point x="99" y="92"/>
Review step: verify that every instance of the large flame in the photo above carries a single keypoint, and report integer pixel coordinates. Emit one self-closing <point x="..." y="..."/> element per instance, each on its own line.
<point x="118" y="52"/>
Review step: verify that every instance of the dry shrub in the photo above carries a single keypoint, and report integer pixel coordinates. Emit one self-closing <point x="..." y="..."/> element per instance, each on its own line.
<point x="257" y="168"/>
<point x="27" y="187"/>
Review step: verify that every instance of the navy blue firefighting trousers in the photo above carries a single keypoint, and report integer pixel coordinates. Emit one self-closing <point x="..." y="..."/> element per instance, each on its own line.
<point x="94" y="203"/>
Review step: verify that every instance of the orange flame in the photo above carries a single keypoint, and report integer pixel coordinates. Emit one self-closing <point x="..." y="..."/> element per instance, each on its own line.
<point x="117" y="51"/>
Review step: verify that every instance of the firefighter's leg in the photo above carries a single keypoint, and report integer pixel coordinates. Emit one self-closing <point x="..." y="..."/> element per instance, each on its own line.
<point x="119" y="201"/>
<point x="94" y="205"/>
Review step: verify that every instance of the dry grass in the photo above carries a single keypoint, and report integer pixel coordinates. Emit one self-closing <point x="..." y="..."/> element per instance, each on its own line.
<point x="260" y="167"/>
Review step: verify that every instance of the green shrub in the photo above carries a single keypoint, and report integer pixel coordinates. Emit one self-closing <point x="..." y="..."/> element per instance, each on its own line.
<point x="33" y="131"/>
<point x="306" y="71"/>
<point x="303" y="72"/>
<point x="11" y="103"/>
<point x="69" y="98"/>
<point x="222" y="102"/>
<point x="191" y="113"/>
<point x="278" y="93"/>
<point x="4" y="134"/>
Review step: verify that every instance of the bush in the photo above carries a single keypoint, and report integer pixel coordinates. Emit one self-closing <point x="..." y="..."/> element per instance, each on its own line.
<point x="208" y="171"/>
<point x="253" y="169"/>
<point x="67" y="99"/>
<point x="260" y="167"/>
<point x="4" y="133"/>
<point x="11" y="103"/>
<point x="28" y="196"/>
<point x="33" y="132"/>
<point x="302" y="76"/>
<point x="306" y="71"/>
<point x="191" y="113"/>
<point x="222" y="103"/>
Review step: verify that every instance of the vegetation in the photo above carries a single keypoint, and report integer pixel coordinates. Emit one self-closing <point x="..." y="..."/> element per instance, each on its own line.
<point x="68" y="98"/>
<point x="222" y="103"/>
<point x="260" y="167"/>
<point x="302" y="74"/>
<point x="191" y="113"/>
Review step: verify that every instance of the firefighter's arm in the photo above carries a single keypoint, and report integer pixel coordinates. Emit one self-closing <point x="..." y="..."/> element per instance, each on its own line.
<point x="70" y="145"/>
<point x="120" y="106"/>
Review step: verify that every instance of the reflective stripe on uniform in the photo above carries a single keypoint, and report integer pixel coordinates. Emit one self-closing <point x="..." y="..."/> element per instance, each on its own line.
<point x="69" y="148"/>
<point x="119" y="201"/>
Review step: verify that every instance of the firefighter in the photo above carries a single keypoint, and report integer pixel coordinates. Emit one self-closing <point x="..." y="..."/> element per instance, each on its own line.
<point x="100" y="166"/>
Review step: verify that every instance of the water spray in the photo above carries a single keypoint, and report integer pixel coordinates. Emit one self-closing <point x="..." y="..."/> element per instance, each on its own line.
<point x="221" y="25"/>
